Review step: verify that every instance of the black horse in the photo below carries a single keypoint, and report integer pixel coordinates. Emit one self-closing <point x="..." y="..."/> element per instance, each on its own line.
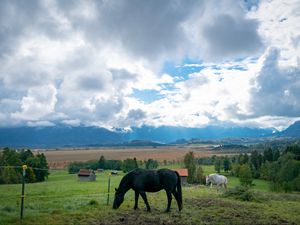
<point x="142" y="181"/>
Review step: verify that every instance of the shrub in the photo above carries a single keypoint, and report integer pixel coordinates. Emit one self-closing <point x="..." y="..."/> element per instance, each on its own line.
<point x="129" y="164"/>
<point x="151" y="164"/>
<point x="241" y="193"/>
<point x="93" y="202"/>
<point x="296" y="183"/>
<point x="199" y="176"/>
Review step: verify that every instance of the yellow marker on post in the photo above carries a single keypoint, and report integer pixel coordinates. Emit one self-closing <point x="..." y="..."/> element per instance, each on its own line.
<point x="24" y="167"/>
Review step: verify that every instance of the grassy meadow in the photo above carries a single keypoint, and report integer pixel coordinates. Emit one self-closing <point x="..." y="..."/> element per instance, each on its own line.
<point x="62" y="199"/>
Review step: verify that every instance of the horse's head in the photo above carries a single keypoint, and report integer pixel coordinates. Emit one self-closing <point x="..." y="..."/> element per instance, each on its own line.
<point x="207" y="180"/>
<point x="119" y="198"/>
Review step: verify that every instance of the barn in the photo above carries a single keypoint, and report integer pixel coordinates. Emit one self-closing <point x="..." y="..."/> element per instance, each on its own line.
<point x="86" y="175"/>
<point x="183" y="173"/>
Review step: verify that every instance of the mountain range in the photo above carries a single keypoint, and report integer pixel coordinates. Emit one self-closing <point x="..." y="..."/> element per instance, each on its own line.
<point x="67" y="136"/>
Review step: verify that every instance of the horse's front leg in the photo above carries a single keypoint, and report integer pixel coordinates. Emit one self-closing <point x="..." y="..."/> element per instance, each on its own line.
<point x="136" y="199"/>
<point x="225" y="186"/>
<point x="143" y="194"/>
<point x="169" y="195"/>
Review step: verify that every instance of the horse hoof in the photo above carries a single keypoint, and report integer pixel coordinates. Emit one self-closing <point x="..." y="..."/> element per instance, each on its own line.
<point x="167" y="210"/>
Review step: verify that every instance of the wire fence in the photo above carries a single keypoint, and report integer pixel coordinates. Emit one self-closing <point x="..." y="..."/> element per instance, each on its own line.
<point x="35" y="168"/>
<point x="39" y="196"/>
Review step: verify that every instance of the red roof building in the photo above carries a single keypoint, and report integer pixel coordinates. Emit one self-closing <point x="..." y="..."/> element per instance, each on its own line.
<point x="86" y="175"/>
<point x="183" y="173"/>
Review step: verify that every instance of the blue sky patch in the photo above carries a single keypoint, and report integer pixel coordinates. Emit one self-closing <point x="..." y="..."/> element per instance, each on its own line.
<point x="147" y="96"/>
<point x="182" y="71"/>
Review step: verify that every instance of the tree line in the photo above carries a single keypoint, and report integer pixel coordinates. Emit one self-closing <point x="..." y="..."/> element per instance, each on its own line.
<point x="108" y="164"/>
<point x="280" y="167"/>
<point x="11" y="161"/>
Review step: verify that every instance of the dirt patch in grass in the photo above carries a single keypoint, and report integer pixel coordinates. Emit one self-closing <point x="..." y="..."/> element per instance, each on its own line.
<point x="218" y="211"/>
<point x="141" y="217"/>
<point x="198" y="211"/>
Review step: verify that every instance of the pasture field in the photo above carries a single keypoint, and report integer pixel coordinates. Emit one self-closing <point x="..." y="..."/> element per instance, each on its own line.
<point x="62" y="200"/>
<point x="61" y="157"/>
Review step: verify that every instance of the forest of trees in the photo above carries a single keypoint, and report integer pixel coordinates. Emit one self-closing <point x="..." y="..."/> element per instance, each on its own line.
<point x="280" y="167"/>
<point x="11" y="162"/>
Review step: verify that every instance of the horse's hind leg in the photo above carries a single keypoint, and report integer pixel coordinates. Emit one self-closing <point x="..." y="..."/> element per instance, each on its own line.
<point x="179" y="203"/>
<point x="143" y="194"/>
<point x="169" y="195"/>
<point x="136" y="199"/>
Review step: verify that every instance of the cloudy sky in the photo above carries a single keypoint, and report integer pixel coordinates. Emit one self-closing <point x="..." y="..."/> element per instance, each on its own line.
<point x="132" y="62"/>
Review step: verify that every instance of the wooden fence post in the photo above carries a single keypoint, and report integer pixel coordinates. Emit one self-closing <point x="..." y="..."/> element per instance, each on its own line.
<point x="108" y="188"/>
<point x="24" y="167"/>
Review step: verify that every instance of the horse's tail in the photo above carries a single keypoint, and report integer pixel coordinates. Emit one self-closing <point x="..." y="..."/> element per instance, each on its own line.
<point x="179" y="191"/>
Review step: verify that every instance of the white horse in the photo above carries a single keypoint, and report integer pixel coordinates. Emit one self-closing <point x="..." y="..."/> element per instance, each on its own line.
<point x="216" y="179"/>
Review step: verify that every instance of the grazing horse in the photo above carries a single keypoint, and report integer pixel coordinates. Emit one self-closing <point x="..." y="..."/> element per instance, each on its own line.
<point x="216" y="179"/>
<point x="142" y="181"/>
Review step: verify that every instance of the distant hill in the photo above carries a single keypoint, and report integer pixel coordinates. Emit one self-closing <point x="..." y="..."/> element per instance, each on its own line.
<point x="167" y="134"/>
<point x="141" y="143"/>
<point x="66" y="136"/>
<point x="58" y="136"/>
<point x="291" y="131"/>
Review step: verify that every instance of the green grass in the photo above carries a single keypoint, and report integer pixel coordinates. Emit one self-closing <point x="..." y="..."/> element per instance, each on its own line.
<point x="62" y="199"/>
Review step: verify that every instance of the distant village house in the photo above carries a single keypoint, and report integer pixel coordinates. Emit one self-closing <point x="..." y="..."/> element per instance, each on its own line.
<point x="183" y="173"/>
<point x="86" y="175"/>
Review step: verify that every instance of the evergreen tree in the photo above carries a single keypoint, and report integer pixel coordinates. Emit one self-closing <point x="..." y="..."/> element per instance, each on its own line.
<point x="189" y="163"/>
<point x="101" y="162"/>
<point x="245" y="175"/>
<point x="295" y="149"/>
<point x="245" y="159"/>
<point x="276" y="155"/>
<point x="268" y="155"/>
<point x="218" y="164"/>
<point x="240" y="159"/>
<point x="10" y="157"/>
<point x="25" y="154"/>
<point x="226" y="164"/>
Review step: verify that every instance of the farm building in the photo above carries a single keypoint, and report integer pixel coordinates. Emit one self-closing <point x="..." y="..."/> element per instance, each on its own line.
<point x="183" y="173"/>
<point x="86" y="175"/>
<point x="114" y="172"/>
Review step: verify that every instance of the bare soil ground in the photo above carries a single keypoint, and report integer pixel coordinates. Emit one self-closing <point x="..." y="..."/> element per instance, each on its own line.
<point x="60" y="158"/>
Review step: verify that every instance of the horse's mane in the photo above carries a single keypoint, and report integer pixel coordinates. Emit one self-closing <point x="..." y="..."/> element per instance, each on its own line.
<point x="125" y="181"/>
